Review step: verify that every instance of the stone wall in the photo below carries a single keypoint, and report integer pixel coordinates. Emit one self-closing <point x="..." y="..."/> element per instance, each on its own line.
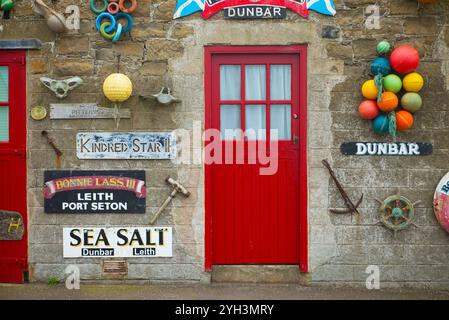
<point x="161" y="51"/>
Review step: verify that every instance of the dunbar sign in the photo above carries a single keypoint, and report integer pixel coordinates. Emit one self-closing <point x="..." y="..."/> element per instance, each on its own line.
<point x="126" y="145"/>
<point x="386" y="149"/>
<point x="94" y="191"/>
<point x="120" y="242"/>
<point x="251" y="9"/>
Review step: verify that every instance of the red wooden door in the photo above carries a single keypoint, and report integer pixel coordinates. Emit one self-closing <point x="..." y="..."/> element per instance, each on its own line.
<point x="252" y="216"/>
<point x="13" y="253"/>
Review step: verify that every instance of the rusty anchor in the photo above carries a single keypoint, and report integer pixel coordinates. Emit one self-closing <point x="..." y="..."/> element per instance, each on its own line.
<point x="351" y="207"/>
<point x="54" y="147"/>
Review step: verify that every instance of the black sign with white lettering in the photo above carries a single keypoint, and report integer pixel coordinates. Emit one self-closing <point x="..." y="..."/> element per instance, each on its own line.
<point x="386" y="149"/>
<point x="255" y="12"/>
<point x="102" y="191"/>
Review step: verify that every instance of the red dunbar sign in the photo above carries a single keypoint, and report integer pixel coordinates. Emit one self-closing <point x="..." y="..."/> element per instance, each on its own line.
<point x="213" y="6"/>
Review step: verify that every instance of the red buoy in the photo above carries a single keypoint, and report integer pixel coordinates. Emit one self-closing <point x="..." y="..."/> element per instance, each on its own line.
<point x="404" y="59"/>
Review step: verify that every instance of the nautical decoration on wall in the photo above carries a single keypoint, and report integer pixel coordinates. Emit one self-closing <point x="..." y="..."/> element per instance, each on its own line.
<point x="390" y="102"/>
<point x="55" y="20"/>
<point x="177" y="187"/>
<point x="57" y="151"/>
<point x="397" y="212"/>
<point x="251" y="9"/>
<point x="94" y="191"/>
<point x="107" y="22"/>
<point x="38" y="113"/>
<point x="11" y="225"/>
<point x="126" y="145"/>
<point x="61" y="88"/>
<point x="85" y="111"/>
<point x="386" y="149"/>
<point x="441" y="202"/>
<point x="117" y="88"/>
<point x="119" y="242"/>
<point x="163" y="97"/>
<point x="351" y="207"/>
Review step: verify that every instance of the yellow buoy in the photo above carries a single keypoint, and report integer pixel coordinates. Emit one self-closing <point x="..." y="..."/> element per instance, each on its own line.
<point x="369" y="90"/>
<point x="117" y="87"/>
<point x="413" y="82"/>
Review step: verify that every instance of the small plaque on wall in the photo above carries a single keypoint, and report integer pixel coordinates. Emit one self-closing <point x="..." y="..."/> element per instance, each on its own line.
<point x="94" y="191"/>
<point x="126" y="145"/>
<point x="85" y="111"/>
<point x="11" y="225"/>
<point x="386" y="149"/>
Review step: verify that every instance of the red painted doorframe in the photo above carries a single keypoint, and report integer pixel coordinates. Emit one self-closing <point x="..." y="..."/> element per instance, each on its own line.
<point x="13" y="197"/>
<point x="301" y="50"/>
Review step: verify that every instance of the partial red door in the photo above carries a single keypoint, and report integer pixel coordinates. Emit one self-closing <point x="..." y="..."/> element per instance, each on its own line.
<point x="256" y="204"/>
<point x="13" y="203"/>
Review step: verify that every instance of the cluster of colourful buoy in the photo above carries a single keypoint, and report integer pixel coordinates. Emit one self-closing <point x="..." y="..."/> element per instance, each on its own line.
<point x="110" y="14"/>
<point x="392" y="96"/>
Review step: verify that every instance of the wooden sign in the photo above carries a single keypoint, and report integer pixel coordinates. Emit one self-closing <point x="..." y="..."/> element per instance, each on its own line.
<point x="441" y="202"/>
<point x="386" y="148"/>
<point x="120" y="242"/>
<point x="126" y="145"/>
<point x="111" y="191"/>
<point x="210" y="7"/>
<point x="85" y="111"/>
<point x="11" y="225"/>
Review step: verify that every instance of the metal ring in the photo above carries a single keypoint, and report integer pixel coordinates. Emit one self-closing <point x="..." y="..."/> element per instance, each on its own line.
<point x="102" y="16"/>
<point x="104" y="33"/>
<point x="118" y="33"/>
<point x="127" y="10"/>
<point x="94" y="8"/>
<point x="128" y="18"/>
<point x="113" y="7"/>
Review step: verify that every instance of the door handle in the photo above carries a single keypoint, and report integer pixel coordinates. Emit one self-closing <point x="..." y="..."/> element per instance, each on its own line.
<point x="295" y="139"/>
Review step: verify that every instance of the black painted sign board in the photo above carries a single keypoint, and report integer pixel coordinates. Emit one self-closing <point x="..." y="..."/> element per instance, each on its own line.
<point x="94" y="191"/>
<point x="386" y="148"/>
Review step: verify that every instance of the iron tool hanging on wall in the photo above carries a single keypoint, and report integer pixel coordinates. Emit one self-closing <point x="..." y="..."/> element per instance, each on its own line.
<point x="349" y="204"/>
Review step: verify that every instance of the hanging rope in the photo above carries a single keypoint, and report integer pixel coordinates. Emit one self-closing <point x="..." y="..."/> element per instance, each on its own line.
<point x="378" y="80"/>
<point x="392" y="129"/>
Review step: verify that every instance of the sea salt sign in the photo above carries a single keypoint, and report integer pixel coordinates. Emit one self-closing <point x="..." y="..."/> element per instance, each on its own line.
<point x="126" y="145"/>
<point x="118" y="242"/>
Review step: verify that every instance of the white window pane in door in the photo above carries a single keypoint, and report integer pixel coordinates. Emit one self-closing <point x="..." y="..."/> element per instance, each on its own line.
<point x="255" y="82"/>
<point x="280" y="120"/>
<point x="255" y="122"/>
<point x="4" y="124"/>
<point x="230" y="122"/>
<point x="230" y="81"/>
<point x="280" y="82"/>
<point x="4" y="84"/>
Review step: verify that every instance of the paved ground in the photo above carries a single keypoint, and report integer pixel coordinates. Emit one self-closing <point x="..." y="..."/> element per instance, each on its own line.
<point x="212" y="291"/>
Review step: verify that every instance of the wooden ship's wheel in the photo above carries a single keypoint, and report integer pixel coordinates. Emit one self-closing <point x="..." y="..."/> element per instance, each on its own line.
<point x="397" y="212"/>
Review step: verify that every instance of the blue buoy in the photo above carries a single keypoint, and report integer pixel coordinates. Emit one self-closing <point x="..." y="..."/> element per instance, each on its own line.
<point x="380" y="124"/>
<point x="380" y="65"/>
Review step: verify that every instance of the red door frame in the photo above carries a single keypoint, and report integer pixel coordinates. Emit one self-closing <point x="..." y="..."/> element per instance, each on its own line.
<point x="301" y="50"/>
<point x="15" y="60"/>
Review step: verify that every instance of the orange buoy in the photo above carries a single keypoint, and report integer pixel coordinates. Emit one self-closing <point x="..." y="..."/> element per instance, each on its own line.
<point x="404" y="120"/>
<point x="389" y="102"/>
